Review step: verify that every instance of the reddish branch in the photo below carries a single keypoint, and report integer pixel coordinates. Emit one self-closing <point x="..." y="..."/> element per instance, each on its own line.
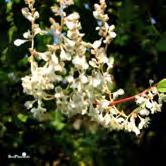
<point x="127" y="98"/>
<point x="122" y="100"/>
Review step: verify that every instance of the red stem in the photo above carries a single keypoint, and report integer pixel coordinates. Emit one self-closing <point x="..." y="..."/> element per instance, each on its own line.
<point x="122" y="100"/>
<point x="128" y="98"/>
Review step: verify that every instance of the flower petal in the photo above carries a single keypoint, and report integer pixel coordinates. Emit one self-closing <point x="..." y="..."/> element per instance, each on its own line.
<point x="19" y="42"/>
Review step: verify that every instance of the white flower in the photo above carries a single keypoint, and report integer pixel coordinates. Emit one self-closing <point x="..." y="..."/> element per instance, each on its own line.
<point x="27" y="35"/>
<point x="36" y="15"/>
<point x="111" y="28"/>
<point x="59" y="67"/>
<point x="110" y="31"/>
<point x="156" y="107"/>
<point x="54" y="59"/>
<point x="107" y="119"/>
<point x="112" y="34"/>
<point x="93" y="62"/>
<point x="69" y="42"/>
<point x="100" y="118"/>
<point x="144" y="112"/>
<point x="105" y="104"/>
<point x="139" y="99"/>
<point x="71" y="25"/>
<point x="84" y="79"/>
<point x="37" y="30"/>
<point x="143" y="123"/>
<point x="96" y="82"/>
<point x="149" y="104"/>
<point x="111" y="62"/>
<point x="19" y="42"/>
<point x="70" y="79"/>
<point x="72" y="17"/>
<point x="95" y="14"/>
<point x="84" y="111"/>
<point x="118" y="93"/>
<point x="107" y="77"/>
<point x="132" y="127"/>
<point x="44" y="55"/>
<point x="37" y="112"/>
<point x="120" y="120"/>
<point x="80" y="62"/>
<point x="97" y="44"/>
<point x="29" y="104"/>
<point x="58" y="95"/>
<point x="71" y="21"/>
<point x="136" y="130"/>
<point x="65" y="55"/>
<point x="27" y="14"/>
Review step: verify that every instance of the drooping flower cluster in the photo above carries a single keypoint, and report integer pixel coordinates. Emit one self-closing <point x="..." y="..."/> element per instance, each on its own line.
<point x="77" y="74"/>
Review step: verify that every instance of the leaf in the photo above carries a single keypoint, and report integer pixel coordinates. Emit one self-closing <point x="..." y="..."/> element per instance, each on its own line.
<point x="22" y="117"/>
<point x="3" y="76"/>
<point x="161" y="44"/>
<point x="57" y="121"/>
<point x="161" y="87"/>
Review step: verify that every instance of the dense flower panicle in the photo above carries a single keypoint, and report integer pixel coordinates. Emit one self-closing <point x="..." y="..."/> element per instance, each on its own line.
<point x="73" y="73"/>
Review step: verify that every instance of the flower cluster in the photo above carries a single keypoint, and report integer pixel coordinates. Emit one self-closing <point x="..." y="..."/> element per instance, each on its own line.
<point x="76" y="73"/>
<point x="147" y="103"/>
<point x="105" y="30"/>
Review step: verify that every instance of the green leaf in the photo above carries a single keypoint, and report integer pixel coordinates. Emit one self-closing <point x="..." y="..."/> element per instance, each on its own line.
<point x="57" y="121"/>
<point x="22" y="117"/>
<point x="161" y="87"/>
<point x="3" y="76"/>
<point x="161" y="44"/>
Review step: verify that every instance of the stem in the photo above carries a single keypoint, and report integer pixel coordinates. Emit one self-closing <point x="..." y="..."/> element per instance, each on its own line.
<point x="129" y="98"/>
<point x="122" y="100"/>
<point x="32" y="29"/>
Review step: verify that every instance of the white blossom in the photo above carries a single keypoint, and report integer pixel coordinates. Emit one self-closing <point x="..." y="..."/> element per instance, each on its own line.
<point x="27" y="35"/>
<point x="19" y="42"/>
<point x="84" y="79"/>
<point x="144" y="112"/>
<point x="139" y="99"/>
<point x="96" y="44"/>
<point x="144" y="123"/>
<point x="96" y="82"/>
<point x="118" y="93"/>
<point x="105" y="104"/>
<point x="80" y="62"/>
<point x="29" y="104"/>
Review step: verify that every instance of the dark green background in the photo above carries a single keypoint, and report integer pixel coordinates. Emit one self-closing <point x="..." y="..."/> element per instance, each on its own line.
<point x="140" y="55"/>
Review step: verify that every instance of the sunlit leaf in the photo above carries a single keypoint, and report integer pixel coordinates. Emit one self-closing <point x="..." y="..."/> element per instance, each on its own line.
<point x="162" y="86"/>
<point x="22" y="117"/>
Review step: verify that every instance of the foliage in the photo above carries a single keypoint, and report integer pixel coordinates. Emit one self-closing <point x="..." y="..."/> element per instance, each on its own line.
<point x="162" y="86"/>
